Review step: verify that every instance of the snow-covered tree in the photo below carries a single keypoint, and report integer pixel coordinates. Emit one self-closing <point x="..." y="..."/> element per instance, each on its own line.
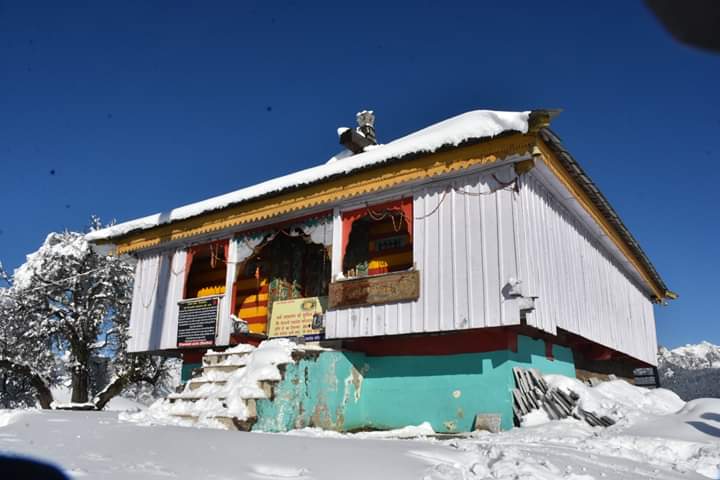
<point x="27" y="365"/>
<point x="71" y="303"/>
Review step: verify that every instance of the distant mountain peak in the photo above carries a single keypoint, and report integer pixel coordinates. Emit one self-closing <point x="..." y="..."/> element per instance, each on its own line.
<point x="691" y="357"/>
<point x="691" y="371"/>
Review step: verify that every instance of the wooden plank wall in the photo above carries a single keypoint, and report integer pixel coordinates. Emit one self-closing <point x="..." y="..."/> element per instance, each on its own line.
<point x="580" y="286"/>
<point x="468" y="246"/>
<point x="471" y="237"/>
<point x="465" y="250"/>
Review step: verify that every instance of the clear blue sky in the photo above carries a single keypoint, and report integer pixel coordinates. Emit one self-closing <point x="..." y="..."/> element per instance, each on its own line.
<point x="126" y="110"/>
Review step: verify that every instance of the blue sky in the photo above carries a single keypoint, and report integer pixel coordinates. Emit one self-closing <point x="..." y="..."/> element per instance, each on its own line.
<point x="129" y="109"/>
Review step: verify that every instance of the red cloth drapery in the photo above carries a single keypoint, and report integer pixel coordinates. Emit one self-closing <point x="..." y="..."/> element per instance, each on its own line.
<point x="188" y="264"/>
<point x="403" y="205"/>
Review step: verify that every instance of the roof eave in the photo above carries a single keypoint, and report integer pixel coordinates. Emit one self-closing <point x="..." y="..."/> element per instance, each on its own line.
<point x="600" y="201"/>
<point x="408" y="157"/>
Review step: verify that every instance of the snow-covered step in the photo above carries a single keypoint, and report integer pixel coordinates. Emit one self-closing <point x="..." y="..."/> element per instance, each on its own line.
<point x="210" y="409"/>
<point x="238" y="360"/>
<point x="190" y="396"/>
<point x="234" y="356"/>
<point x="195" y="385"/>
<point x="216" y="374"/>
<point x="217" y="390"/>
<point x="221" y="367"/>
<point x="225" y="389"/>
<point x="202" y="392"/>
<point x="230" y="423"/>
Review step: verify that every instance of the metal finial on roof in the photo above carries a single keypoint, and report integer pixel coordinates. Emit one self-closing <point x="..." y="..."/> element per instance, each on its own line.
<point x="366" y="124"/>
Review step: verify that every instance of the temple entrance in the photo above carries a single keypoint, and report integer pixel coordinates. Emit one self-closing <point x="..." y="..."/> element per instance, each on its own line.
<point x="283" y="267"/>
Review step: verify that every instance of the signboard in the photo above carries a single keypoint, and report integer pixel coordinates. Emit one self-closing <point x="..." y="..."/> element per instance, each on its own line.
<point x="197" y="321"/>
<point x="388" y="288"/>
<point x="646" y="377"/>
<point x="298" y="317"/>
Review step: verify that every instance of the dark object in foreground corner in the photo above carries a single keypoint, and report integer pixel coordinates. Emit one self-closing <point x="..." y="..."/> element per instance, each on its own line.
<point x="16" y="468"/>
<point x="694" y="22"/>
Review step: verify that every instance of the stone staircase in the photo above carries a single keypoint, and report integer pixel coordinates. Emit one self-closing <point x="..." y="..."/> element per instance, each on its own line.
<point x="205" y="396"/>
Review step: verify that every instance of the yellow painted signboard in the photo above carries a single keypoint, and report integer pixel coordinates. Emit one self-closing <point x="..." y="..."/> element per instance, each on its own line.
<point x="299" y="317"/>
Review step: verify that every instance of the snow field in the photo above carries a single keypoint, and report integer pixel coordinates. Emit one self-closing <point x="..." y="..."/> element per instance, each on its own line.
<point x="655" y="429"/>
<point x="657" y="436"/>
<point x="659" y="445"/>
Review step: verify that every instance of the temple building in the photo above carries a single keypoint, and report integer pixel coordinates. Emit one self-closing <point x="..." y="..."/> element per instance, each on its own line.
<point x="427" y="268"/>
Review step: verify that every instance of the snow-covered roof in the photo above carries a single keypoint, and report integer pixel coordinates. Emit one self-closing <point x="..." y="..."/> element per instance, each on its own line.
<point x="448" y="133"/>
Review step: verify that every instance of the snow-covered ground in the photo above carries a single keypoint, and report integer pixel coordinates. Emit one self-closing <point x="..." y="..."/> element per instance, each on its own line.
<point x="650" y="440"/>
<point x="62" y="395"/>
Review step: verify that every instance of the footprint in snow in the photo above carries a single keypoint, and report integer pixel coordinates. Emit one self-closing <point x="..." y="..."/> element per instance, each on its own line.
<point x="96" y="457"/>
<point x="277" y="472"/>
<point x="150" y="468"/>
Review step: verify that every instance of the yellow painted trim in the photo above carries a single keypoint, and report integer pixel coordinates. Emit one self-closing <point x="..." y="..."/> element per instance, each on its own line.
<point x="344" y="187"/>
<point x="557" y="168"/>
<point x="214" y="290"/>
<point x="257" y="327"/>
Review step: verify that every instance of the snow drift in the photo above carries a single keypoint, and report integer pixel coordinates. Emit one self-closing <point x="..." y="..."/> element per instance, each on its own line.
<point x="617" y="399"/>
<point x="658" y="436"/>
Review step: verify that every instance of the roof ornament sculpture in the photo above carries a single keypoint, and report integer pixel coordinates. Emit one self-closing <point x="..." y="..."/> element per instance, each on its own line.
<point x="358" y="138"/>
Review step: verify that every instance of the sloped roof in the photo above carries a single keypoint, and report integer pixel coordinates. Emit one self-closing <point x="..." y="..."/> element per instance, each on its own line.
<point x="596" y="196"/>
<point x="464" y="129"/>
<point x="452" y="132"/>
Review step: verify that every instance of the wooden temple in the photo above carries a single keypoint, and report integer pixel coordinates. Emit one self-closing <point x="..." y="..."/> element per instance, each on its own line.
<point x="472" y="235"/>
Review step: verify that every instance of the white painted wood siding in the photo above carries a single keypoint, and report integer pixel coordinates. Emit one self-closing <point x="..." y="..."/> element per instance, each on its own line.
<point x="581" y="286"/>
<point x="159" y="283"/>
<point x="471" y="245"/>
<point x="464" y="247"/>
<point x="470" y="238"/>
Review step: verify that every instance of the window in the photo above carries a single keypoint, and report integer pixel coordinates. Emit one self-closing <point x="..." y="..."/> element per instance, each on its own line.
<point x="206" y="266"/>
<point x="378" y="239"/>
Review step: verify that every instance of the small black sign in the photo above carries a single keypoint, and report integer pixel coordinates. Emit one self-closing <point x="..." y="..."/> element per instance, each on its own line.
<point x="197" y="320"/>
<point x="646" y="377"/>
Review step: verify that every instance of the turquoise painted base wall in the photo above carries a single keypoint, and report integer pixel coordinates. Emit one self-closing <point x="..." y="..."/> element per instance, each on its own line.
<point x="187" y="369"/>
<point x="351" y="391"/>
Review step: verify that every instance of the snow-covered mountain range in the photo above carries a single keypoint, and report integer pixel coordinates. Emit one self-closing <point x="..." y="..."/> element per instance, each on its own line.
<point x="702" y="355"/>
<point x="692" y="371"/>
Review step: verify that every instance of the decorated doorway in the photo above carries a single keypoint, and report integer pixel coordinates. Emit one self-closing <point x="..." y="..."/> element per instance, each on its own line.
<point x="283" y="264"/>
